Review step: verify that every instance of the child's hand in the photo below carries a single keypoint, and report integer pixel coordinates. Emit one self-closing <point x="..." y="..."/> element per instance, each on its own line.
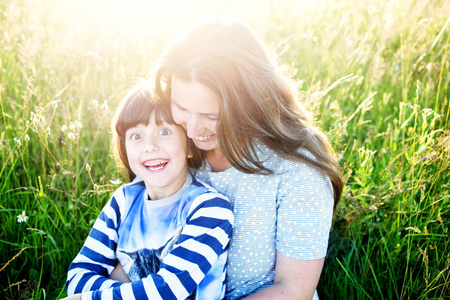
<point x="73" y="297"/>
<point x="119" y="274"/>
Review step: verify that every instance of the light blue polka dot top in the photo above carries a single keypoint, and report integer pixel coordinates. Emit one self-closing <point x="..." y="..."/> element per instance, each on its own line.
<point x="289" y="212"/>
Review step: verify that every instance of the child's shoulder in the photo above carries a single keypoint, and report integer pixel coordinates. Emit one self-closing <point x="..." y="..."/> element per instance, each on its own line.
<point x="129" y="191"/>
<point x="200" y="184"/>
<point x="203" y="191"/>
<point x="203" y="187"/>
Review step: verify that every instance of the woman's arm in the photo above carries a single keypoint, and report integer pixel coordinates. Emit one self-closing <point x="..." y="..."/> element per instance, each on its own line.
<point x="119" y="274"/>
<point x="294" y="279"/>
<point x="304" y="214"/>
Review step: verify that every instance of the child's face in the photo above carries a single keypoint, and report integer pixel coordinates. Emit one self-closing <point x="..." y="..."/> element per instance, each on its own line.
<point x="157" y="155"/>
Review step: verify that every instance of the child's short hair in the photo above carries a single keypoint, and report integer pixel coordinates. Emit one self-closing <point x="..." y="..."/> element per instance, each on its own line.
<point x="134" y="109"/>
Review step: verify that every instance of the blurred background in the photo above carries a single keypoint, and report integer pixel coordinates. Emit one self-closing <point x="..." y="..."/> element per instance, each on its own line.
<point x="375" y="75"/>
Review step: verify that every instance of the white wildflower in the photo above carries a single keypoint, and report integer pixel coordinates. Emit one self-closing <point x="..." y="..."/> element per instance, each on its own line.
<point x="63" y="128"/>
<point x="17" y="141"/>
<point x="34" y="119"/>
<point x="88" y="167"/>
<point x="71" y="136"/>
<point x="116" y="181"/>
<point x="22" y="217"/>
<point x="105" y="106"/>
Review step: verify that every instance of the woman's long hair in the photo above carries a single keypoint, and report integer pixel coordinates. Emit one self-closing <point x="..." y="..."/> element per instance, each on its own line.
<point x="257" y="103"/>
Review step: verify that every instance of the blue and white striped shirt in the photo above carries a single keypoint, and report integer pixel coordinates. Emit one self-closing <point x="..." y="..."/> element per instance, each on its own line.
<point x="173" y="248"/>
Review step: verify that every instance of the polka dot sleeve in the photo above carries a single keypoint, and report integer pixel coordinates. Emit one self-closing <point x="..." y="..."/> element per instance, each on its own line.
<point x="304" y="212"/>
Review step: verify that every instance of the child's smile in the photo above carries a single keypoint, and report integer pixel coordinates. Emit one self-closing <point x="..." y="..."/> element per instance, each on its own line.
<point x="158" y="155"/>
<point x="155" y="165"/>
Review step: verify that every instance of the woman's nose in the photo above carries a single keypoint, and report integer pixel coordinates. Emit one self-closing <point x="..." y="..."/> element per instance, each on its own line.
<point x="192" y="125"/>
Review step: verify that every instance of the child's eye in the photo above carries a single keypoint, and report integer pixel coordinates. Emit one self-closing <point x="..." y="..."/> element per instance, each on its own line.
<point x="164" y="131"/>
<point x="135" y="136"/>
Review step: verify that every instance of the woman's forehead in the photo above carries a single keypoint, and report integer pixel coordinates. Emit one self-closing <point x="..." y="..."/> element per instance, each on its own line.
<point x="194" y="97"/>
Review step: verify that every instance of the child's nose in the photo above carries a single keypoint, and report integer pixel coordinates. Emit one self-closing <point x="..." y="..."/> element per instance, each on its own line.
<point x="151" y="145"/>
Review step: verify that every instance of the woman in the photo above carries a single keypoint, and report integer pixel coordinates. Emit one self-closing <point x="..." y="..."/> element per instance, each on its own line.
<point x="260" y="150"/>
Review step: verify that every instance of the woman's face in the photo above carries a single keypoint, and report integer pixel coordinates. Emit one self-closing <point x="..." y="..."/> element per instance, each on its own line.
<point x="196" y="108"/>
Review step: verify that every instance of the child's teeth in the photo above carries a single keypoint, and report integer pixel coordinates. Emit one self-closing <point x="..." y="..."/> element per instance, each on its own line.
<point x="155" y="165"/>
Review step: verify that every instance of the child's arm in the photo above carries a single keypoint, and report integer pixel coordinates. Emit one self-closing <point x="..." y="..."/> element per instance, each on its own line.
<point x="204" y="238"/>
<point x="97" y="258"/>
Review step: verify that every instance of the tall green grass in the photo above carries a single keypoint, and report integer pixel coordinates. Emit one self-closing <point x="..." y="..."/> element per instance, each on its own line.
<point x="374" y="73"/>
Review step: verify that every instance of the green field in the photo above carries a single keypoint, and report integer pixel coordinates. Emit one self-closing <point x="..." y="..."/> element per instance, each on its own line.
<point x="375" y="74"/>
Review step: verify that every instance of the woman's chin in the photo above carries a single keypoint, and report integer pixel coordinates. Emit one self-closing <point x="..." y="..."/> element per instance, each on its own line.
<point x="206" y="145"/>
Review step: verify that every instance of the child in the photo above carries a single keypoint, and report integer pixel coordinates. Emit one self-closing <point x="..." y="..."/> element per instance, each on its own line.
<point x="166" y="229"/>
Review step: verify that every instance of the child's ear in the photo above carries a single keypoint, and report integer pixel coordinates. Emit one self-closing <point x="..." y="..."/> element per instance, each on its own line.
<point x="190" y="155"/>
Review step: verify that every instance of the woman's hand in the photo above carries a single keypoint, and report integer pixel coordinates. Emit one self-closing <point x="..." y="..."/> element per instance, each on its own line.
<point x="119" y="274"/>
<point x="294" y="279"/>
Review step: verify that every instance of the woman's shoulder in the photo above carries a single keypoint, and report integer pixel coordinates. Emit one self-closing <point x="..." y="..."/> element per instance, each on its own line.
<point x="281" y="165"/>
